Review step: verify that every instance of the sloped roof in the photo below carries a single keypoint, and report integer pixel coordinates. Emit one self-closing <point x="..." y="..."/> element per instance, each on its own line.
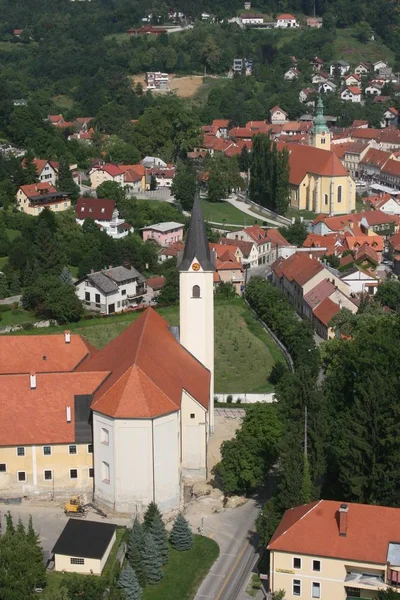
<point x="326" y="310"/>
<point x="244" y="246"/>
<point x="321" y="291"/>
<point x="312" y="529"/>
<point x="100" y="209"/>
<point x="149" y="368"/>
<point x="307" y="159"/>
<point x="156" y="283"/>
<point x="41" y="353"/>
<point x="38" y="416"/>
<point x="196" y="245"/>
<point x="276" y="238"/>
<point x="375" y="157"/>
<point x="391" y="167"/>
<point x="299" y="268"/>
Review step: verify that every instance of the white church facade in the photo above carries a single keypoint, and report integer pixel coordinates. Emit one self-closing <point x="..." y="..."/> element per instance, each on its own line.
<point x="133" y="419"/>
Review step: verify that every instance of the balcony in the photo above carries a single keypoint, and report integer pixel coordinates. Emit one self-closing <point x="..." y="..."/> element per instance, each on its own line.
<point x="364" y="581"/>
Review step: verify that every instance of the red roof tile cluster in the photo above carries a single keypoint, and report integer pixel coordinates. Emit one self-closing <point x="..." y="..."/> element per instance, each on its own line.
<point x="307" y="159"/>
<point x="299" y="268"/>
<point x="286" y="17"/>
<point x="331" y="242"/>
<point x="37" y="189"/>
<point x="156" y="283"/>
<point x="326" y="311"/>
<point x="172" y="250"/>
<point x="244" y="247"/>
<point x="375" y="158"/>
<point x="276" y="238"/>
<point x="391" y="167"/>
<point x="394" y="241"/>
<point x="257" y="234"/>
<point x="313" y="529"/>
<point x="321" y="291"/>
<point x="99" y="209"/>
<point x="146" y="378"/>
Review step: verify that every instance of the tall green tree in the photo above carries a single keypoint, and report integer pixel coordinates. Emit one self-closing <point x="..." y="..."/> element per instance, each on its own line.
<point x="184" y="185"/>
<point x="130" y="584"/>
<point x="30" y="171"/>
<point x="151" y="559"/>
<point x="65" y="182"/>
<point x="181" y="536"/>
<point x="159" y="533"/>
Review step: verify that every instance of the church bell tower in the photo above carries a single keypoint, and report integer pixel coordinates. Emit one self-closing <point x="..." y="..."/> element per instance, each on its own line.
<point x="196" y="297"/>
<point x="320" y="134"/>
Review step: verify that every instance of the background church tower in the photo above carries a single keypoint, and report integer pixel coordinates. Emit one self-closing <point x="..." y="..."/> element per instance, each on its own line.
<point x="196" y="297"/>
<point x="320" y="134"/>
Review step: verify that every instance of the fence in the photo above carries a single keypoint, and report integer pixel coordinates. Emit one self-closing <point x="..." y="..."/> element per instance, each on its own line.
<point x="264" y="211"/>
<point x="245" y="398"/>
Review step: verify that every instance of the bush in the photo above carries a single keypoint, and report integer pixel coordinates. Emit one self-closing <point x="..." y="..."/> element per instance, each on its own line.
<point x="229" y="399"/>
<point x="277" y="372"/>
<point x="26" y="326"/>
<point x="239" y="401"/>
<point x="5" y="308"/>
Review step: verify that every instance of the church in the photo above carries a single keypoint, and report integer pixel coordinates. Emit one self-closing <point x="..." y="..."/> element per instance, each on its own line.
<point x="124" y="425"/>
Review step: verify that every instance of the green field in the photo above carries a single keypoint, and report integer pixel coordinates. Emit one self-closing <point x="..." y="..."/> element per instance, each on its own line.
<point x="223" y="212"/>
<point x="296" y="213"/>
<point x="17" y="317"/>
<point x="184" y="571"/>
<point x="347" y="47"/>
<point x="63" y="101"/>
<point x="244" y="353"/>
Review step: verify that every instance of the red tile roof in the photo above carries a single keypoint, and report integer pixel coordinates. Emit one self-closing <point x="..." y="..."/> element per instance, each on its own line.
<point x="321" y="291"/>
<point x="375" y="158"/>
<point x="326" y="311"/>
<point x="391" y="167"/>
<point x="38" y="416"/>
<point x="220" y="123"/>
<point x="394" y="241"/>
<point x="42" y="353"/>
<point x="312" y="529"/>
<point x="299" y="268"/>
<point x="354" y="90"/>
<point x="156" y="283"/>
<point x="313" y="240"/>
<point x="245" y="247"/>
<point x="149" y="369"/>
<point x="307" y="159"/>
<point x="100" y="209"/>
<point x="257" y="234"/>
<point x="286" y="16"/>
<point x="172" y="250"/>
<point x="276" y="238"/>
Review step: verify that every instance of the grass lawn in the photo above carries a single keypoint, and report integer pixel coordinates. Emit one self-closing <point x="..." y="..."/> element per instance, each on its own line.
<point x="12" y="234"/>
<point x="223" y="212"/>
<point x="244" y="353"/>
<point x="347" y="47"/>
<point x="151" y="203"/>
<point x="63" y="101"/>
<point x="22" y="316"/>
<point x="184" y="571"/>
<point x="296" y="213"/>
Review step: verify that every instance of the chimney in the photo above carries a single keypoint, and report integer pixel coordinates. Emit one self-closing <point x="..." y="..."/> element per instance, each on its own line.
<point x="32" y="379"/>
<point x="343" y="512"/>
<point x="68" y="411"/>
<point x="67" y="337"/>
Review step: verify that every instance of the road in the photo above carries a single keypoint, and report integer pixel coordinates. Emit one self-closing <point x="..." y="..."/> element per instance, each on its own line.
<point x="233" y="530"/>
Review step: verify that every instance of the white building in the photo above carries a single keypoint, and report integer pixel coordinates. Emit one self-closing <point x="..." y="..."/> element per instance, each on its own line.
<point x="155" y="80"/>
<point x="107" y="172"/>
<point x="286" y="20"/>
<point x="361" y="69"/>
<point x="291" y="74"/>
<point x="327" y="87"/>
<point x="380" y="64"/>
<point x="111" y="290"/>
<point x="248" y="19"/>
<point x="360" y="281"/>
<point x="351" y="94"/>
<point x="104" y="212"/>
<point x="374" y="89"/>
<point x="341" y="67"/>
<point x="278" y="115"/>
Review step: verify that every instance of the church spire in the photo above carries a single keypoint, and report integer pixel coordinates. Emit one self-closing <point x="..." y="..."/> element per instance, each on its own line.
<point x="196" y="245"/>
<point x="319" y="120"/>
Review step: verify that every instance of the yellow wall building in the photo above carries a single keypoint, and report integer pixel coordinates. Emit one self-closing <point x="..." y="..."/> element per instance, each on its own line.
<point x="335" y="551"/>
<point x="33" y="198"/>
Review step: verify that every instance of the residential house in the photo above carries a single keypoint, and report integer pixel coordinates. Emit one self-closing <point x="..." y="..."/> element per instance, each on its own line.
<point x="164" y="234"/>
<point x="134" y="178"/>
<point x="314" y="22"/>
<point x="394" y="252"/>
<point x="105" y="213"/>
<point x="372" y="162"/>
<point x="147" y="30"/>
<point x="107" y="172"/>
<point x="353" y="80"/>
<point x="327" y="87"/>
<point x="163" y="176"/>
<point x="385" y="202"/>
<point x="370" y="222"/>
<point x="229" y="268"/>
<point x="360" y="124"/>
<point x="361" y="280"/>
<point x="305" y="94"/>
<point x="390" y="173"/>
<point x="350" y="154"/>
<point x="34" y="197"/>
<point x="221" y="127"/>
<point x="390" y="117"/>
<point x="378" y="65"/>
<point x="154" y="285"/>
<point x="320" y="77"/>
<point x="291" y="74"/>
<point x="156" y="81"/>
<point x="171" y="251"/>
<point x="286" y="20"/>
<point x="299" y="274"/>
<point x="249" y="19"/>
<point x="259" y="237"/>
<point x="322" y="316"/>
<point x="47" y="170"/>
<point x="318" y="180"/>
<point x="374" y="89"/>
<point x="362" y="69"/>
<point x="111" y="290"/>
<point x="278" y="116"/>
<point x="153" y="161"/>
<point x="248" y="251"/>
<point x="323" y="550"/>
<point x="317" y="63"/>
<point x="351" y="93"/>
<point x="340" y="67"/>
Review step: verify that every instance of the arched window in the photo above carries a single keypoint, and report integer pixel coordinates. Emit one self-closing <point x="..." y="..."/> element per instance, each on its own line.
<point x="196" y="291"/>
<point x="326" y="199"/>
<point x="339" y="193"/>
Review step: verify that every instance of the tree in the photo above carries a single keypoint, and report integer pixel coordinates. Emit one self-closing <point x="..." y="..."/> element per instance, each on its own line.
<point x="389" y="594"/>
<point x="158" y="531"/>
<point x="215" y="187"/>
<point x="388" y="294"/>
<point x="4" y="290"/>
<point x="130" y="584"/>
<point x="244" y="159"/>
<point x="15" y="285"/>
<point x="153" y="183"/>
<point x="135" y="547"/>
<point x="151" y="513"/>
<point x="47" y="251"/>
<point x="295" y="233"/>
<point x="184" y="185"/>
<point x="63" y="304"/>
<point x="170" y="292"/>
<point x="151" y="559"/>
<point x="225" y="291"/>
<point x="363" y="32"/>
<point x="332" y="260"/>
<point x="30" y="171"/>
<point x="279" y="369"/>
<point x="269" y="175"/>
<point x="112" y="190"/>
<point x="65" y="182"/>
<point x="181" y="536"/>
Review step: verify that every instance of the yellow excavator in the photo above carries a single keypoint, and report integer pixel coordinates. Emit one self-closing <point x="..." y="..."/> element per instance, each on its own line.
<point x="74" y="507"/>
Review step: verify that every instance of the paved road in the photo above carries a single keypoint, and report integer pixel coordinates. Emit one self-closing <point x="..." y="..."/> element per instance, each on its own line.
<point x="245" y="209"/>
<point x="234" y="532"/>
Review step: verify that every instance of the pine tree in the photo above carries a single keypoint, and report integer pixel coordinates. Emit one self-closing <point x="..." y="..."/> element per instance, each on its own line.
<point x="181" y="536"/>
<point x="47" y="251"/>
<point x="135" y="547"/>
<point x="66" y="276"/>
<point x="151" y="512"/>
<point x="15" y="286"/>
<point x="65" y="182"/>
<point x="4" y="291"/>
<point x="30" y="171"/>
<point x="10" y="529"/>
<point x="20" y="529"/>
<point x="158" y="531"/>
<point x="136" y="536"/>
<point x="151" y="559"/>
<point x="129" y="583"/>
<point x="38" y="568"/>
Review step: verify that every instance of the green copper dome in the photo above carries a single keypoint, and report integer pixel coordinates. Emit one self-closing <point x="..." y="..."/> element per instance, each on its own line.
<point x="319" y="120"/>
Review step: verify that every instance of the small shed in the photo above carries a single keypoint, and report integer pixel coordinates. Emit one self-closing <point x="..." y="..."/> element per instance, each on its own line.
<point x="84" y="546"/>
